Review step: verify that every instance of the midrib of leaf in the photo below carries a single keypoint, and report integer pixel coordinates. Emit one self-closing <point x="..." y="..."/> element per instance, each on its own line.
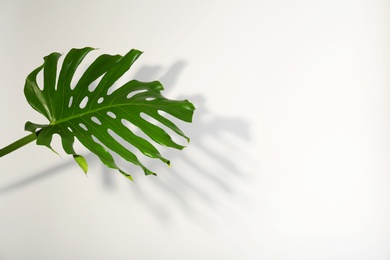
<point x="97" y="110"/>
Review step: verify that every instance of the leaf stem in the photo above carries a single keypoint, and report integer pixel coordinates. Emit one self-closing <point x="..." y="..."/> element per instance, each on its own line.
<point x="18" y="144"/>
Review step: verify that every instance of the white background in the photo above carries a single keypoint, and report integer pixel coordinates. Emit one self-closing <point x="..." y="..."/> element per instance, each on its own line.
<point x="290" y="148"/>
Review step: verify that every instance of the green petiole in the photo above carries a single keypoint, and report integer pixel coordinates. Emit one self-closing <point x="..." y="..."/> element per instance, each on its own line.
<point x="18" y="144"/>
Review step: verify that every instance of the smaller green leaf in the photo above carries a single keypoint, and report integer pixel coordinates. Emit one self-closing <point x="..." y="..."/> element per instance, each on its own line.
<point x="81" y="162"/>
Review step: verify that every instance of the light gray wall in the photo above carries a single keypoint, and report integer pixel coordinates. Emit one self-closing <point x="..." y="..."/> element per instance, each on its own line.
<point x="289" y="153"/>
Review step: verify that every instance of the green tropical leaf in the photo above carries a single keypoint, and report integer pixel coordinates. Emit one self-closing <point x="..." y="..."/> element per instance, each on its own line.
<point x="95" y="116"/>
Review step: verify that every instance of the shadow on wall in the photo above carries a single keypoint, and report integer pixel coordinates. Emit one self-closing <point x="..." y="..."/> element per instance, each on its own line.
<point x="207" y="180"/>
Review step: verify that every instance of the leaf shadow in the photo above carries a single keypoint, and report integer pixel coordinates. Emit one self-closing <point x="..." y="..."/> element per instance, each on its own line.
<point x="40" y="176"/>
<point x="204" y="183"/>
<point x="206" y="179"/>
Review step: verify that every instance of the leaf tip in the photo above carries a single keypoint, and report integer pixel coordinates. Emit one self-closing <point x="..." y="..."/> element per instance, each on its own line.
<point x="81" y="162"/>
<point x="128" y="176"/>
<point x="54" y="151"/>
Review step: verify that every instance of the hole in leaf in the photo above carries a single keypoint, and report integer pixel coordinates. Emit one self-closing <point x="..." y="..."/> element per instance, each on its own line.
<point x="96" y="140"/>
<point x="59" y="65"/>
<point x="75" y="79"/>
<point x="133" y="93"/>
<point x="70" y="129"/>
<point x="118" y="83"/>
<point x="96" y="120"/>
<point x="80" y="70"/>
<point x="167" y="115"/>
<point x="111" y="114"/>
<point x="150" y="99"/>
<point x="129" y="125"/>
<point x="56" y="140"/>
<point x="100" y="100"/>
<point x="70" y="101"/>
<point x="94" y="84"/>
<point x="136" y="130"/>
<point x="84" y="102"/>
<point x="175" y="137"/>
<point x="40" y="80"/>
<point x="124" y="143"/>
<point x="150" y="119"/>
<point x="83" y="126"/>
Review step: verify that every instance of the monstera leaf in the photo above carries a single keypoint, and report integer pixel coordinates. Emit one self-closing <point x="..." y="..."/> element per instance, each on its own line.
<point x="89" y="112"/>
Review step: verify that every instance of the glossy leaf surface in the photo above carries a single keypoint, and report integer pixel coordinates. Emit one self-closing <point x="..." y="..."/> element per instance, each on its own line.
<point x="94" y="116"/>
